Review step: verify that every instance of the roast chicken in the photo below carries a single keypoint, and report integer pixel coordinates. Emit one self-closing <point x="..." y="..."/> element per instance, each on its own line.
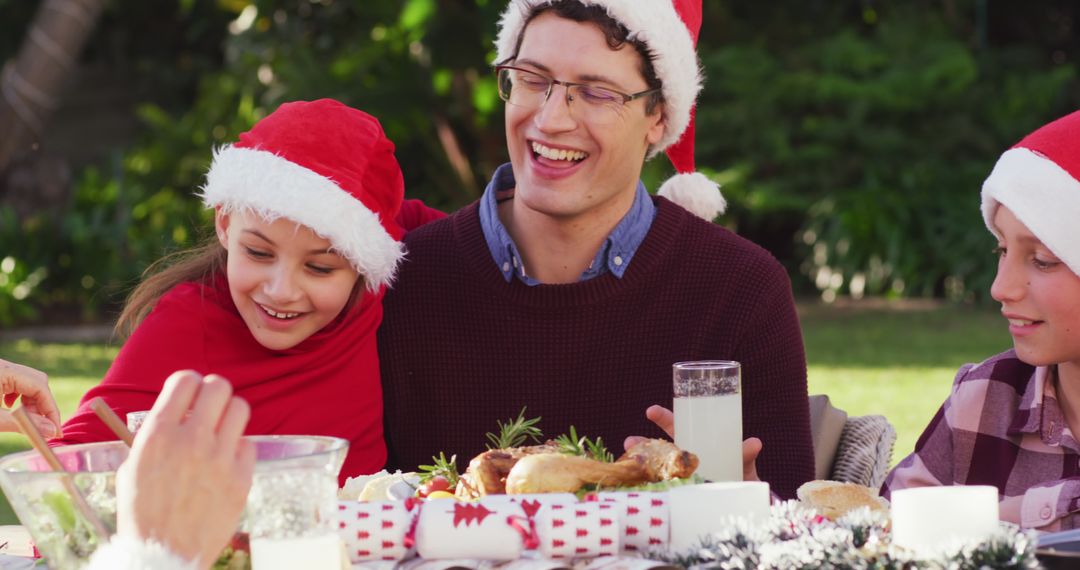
<point x="543" y="469"/>
<point x="487" y="472"/>
<point x="661" y="459"/>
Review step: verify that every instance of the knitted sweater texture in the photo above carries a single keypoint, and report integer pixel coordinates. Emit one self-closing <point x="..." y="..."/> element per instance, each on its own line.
<point x="461" y="348"/>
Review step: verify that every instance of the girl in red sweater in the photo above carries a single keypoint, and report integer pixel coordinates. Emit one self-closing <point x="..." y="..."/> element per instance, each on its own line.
<point x="285" y="302"/>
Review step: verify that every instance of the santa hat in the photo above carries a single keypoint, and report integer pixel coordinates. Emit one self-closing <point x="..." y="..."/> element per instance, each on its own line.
<point x="1039" y="181"/>
<point x="323" y="165"/>
<point x="669" y="29"/>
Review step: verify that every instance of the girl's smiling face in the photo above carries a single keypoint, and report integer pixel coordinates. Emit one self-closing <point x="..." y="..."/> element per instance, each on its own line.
<point x="284" y="279"/>
<point x="1039" y="295"/>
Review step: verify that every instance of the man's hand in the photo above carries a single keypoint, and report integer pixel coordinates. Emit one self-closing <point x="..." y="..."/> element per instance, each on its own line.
<point x="665" y="420"/>
<point x="187" y="478"/>
<point x="32" y="386"/>
<point x="751" y="447"/>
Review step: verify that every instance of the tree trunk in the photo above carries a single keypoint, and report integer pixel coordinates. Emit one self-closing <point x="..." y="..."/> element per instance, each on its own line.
<point x="31" y="84"/>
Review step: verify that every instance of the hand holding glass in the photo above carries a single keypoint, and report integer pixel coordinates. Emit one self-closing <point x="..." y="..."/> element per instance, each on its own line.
<point x="708" y="416"/>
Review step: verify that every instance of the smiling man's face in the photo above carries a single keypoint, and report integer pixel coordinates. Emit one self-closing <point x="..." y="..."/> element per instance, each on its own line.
<point x="566" y="164"/>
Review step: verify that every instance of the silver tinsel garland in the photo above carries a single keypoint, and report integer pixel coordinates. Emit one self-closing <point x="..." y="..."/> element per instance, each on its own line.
<point x="796" y="537"/>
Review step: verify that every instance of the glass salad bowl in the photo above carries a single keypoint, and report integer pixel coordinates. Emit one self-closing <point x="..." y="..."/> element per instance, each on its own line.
<point x="293" y="494"/>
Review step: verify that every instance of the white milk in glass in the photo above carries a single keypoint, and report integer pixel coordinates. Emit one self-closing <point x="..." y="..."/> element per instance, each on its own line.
<point x="711" y="428"/>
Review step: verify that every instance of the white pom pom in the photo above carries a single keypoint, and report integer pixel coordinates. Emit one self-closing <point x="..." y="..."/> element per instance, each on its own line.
<point x="695" y="192"/>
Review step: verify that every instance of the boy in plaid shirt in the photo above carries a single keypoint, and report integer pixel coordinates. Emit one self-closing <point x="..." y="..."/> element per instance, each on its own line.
<point x="1013" y="421"/>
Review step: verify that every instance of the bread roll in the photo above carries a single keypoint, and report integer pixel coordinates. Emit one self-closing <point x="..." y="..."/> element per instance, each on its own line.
<point x="834" y="499"/>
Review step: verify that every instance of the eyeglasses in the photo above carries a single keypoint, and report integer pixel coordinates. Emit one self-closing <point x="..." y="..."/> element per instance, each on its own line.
<point x="529" y="90"/>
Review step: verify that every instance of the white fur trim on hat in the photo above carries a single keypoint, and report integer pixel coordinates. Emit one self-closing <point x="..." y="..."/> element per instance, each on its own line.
<point x="124" y="553"/>
<point x="658" y="26"/>
<point x="273" y="187"/>
<point x="1042" y="195"/>
<point x="697" y="193"/>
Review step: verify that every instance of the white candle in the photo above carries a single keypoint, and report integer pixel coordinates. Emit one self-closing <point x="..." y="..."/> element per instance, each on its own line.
<point x="315" y="552"/>
<point x="698" y="510"/>
<point x="929" y="519"/>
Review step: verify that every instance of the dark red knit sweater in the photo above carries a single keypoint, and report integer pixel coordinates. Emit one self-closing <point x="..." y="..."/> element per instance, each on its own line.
<point x="461" y="348"/>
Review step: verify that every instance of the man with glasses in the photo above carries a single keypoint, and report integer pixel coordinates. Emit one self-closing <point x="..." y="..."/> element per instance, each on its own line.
<point x="567" y="288"/>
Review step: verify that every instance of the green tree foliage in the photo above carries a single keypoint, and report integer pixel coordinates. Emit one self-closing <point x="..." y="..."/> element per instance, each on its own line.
<point x="857" y="154"/>
<point x="851" y="137"/>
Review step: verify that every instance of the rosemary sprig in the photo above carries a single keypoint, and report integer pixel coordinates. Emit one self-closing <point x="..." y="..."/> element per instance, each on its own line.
<point x="573" y="445"/>
<point x="515" y="432"/>
<point x="441" y="466"/>
<point x="598" y="450"/>
<point x="570" y="444"/>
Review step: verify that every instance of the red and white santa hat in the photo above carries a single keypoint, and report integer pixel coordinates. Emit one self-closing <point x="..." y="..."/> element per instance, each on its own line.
<point x="669" y="29"/>
<point x="323" y="165"/>
<point x="1038" y="179"/>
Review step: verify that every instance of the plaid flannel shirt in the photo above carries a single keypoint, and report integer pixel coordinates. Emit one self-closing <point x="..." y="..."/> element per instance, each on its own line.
<point x="1002" y="425"/>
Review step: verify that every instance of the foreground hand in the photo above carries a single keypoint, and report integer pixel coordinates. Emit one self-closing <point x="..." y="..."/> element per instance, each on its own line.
<point x="186" y="481"/>
<point x="32" y="386"/>
<point x="665" y="420"/>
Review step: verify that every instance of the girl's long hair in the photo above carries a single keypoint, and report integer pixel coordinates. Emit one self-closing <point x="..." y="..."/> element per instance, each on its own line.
<point x="196" y="264"/>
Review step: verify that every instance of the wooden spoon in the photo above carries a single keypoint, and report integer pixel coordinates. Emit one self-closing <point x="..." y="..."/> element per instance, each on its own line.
<point x="112" y="420"/>
<point x="38" y="441"/>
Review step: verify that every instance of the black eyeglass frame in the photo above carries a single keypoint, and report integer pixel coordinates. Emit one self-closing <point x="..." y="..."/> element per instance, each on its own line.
<point x="552" y="82"/>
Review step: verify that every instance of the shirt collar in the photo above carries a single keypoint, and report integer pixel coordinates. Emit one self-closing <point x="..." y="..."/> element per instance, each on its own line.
<point x="1040" y="411"/>
<point x="614" y="255"/>
<point x="499" y="242"/>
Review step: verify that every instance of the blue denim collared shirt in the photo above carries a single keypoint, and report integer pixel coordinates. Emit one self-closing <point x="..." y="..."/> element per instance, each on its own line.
<point x="614" y="255"/>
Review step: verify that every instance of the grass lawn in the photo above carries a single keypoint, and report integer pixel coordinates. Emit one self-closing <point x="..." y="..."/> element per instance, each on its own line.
<point x="895" y="362"/>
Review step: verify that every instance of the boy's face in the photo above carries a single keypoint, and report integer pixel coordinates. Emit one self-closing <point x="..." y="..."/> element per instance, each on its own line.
<point x="606" y="152"/>
<point x="283" y="278"/>
<point x="1039" y="295"/>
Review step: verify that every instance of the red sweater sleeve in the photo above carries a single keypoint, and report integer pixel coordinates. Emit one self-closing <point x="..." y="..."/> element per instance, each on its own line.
<point x="169" y="339"/>
<point x="415" y="213"/>
<point x="775" y="404"/>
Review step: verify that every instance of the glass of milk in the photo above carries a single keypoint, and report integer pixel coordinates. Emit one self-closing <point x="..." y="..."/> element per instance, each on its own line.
<point x="708" y="416"/>
<point x="291" y="515"/>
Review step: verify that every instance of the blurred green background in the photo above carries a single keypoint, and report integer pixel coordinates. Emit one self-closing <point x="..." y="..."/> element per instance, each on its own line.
<point x="851" y="136"/>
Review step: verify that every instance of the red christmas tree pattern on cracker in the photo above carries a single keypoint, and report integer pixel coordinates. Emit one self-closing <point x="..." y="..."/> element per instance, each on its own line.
<point x="464" y="513"/>
<point x="531" y="507"/>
